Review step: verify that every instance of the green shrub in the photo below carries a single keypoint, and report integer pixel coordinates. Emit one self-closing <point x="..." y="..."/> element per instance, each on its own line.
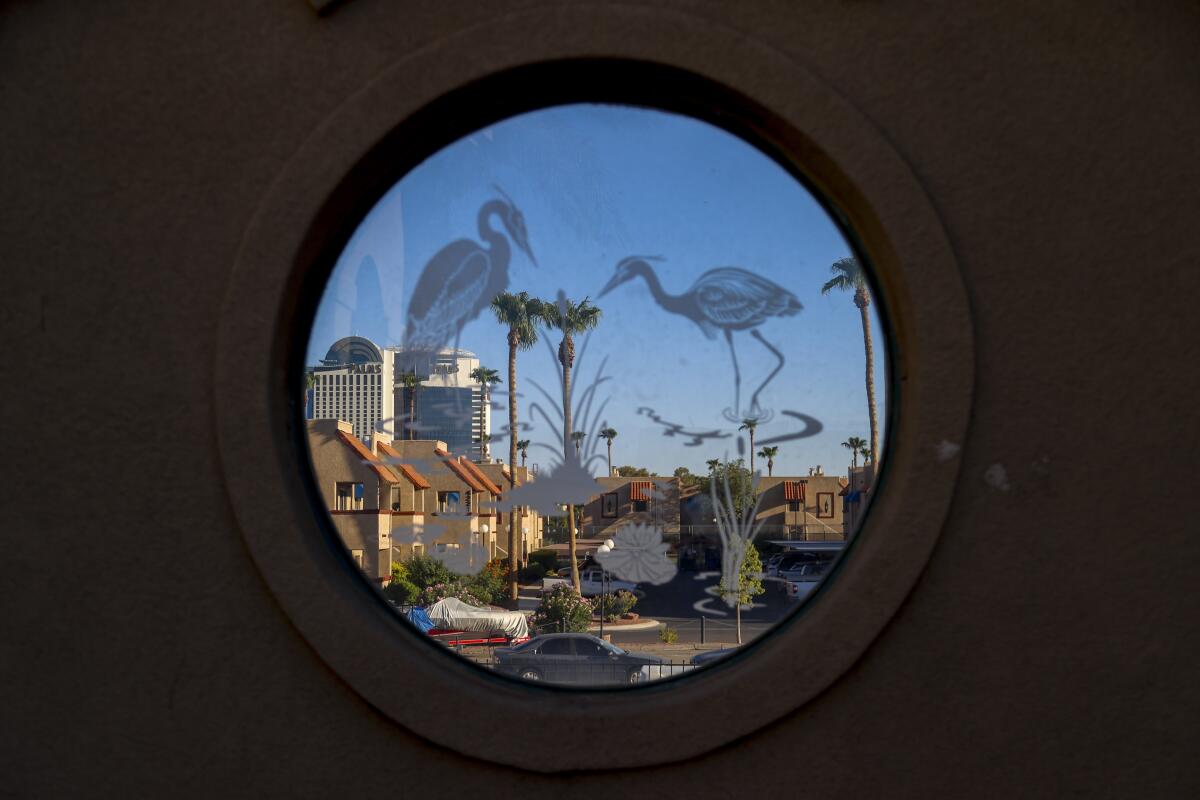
<point x="668" y="635"/>
<point x="534" y="572"/>
<point x="615" y="605"/>
<point x="426" y="571"/>
<point x="399" y="571"/>
<point x="547" y="558"/>
<point x="562" y="609"/>
<point x="488" y="586"/>
<point x="402" y="592"/>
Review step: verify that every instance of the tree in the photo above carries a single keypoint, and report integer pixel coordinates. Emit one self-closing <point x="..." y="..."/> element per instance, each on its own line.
<point x="570" y="319"/>
<point x="713" y="463"/>
<point x="741" y="484"/>
<point x="486" y="378"/>
<point x="523" y="446"/>
<point x="748" y="425"/>
<point x="484" y="439"/>
<point x="749" y="583"/>
<point x="411" y="384"/>
<point x="633" y="472"/>
<point x="608" y="434"/>
<point x="577" y="437"/>
<point x="686" y="478"/>
<point x="520" y="313"/>
<point x="769" y="454"/>
<point x="855" y="445"/>
<point x="848" y="276"/>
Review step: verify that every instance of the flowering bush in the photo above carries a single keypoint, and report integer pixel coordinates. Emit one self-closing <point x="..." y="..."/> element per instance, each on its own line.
<point x="562" y="609"/>
<point x="440" y="591"/>
<point x="615" y="605"/>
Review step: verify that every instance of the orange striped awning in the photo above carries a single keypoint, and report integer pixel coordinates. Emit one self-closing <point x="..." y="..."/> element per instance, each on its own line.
<point x="793" y="490"/>
<point x="640" y="490"/>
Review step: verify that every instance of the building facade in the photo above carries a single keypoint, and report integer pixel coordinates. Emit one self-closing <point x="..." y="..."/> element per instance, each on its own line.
<point x="450" y="406"/>
<point x="354" y="383"/>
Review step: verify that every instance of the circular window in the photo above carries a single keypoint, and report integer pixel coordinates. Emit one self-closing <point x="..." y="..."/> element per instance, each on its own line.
<point x="592" y="396"/>
<point x="364" y="349"/>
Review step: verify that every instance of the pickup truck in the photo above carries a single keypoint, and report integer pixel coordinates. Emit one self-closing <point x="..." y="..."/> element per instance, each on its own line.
<point x="590" y="583"/>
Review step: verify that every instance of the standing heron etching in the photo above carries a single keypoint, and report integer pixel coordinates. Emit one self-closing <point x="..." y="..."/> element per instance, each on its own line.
<point x="727" y="299"/>
<point x="461" y="279"/>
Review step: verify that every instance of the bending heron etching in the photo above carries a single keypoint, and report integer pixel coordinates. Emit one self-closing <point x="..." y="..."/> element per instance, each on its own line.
<point x="727" y="299"/>
<point x="461" y="279"/>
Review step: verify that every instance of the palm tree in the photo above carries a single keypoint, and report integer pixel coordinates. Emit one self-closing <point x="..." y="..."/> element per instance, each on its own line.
<point x="848" y="276"/>
<point x="523" y="446"/>
<point x="486" y="378"/>
<point x="570" y="318"/>
<point x="520" y="313"/>
<point x="577" y="437"/>
<point x="483" y="440"/>
<point x="865" y="452"/>
<point x="769" y="454"/>
<point x="748" y="425"/>
<point x="608" y="434"/>
<point x="411" y="384"/>
<point x="856" y="445"/>
<point x="713" y="464"/>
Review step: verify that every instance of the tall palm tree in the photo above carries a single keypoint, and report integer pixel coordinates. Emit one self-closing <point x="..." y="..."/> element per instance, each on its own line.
<point x="713" y="464"/>
<point x="484" y="439"/>
<point x="520" y="313"/>
<point x="608" y="434"/>
<point x="486" y="378"/>
<point x="570" y="318"/>
<point x="848" y="276"/>
<point x="856" y="445"/>
<point x="748" y="425"/>
<point x="577" y="437"/>
<point x="411" y="383"/>
<point x="769" y="454"/>
<point x="523" y="446"/>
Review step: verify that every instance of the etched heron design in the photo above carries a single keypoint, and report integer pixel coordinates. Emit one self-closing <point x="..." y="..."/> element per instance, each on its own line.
<point x="727" y="299"/>
<point x="461" y="279"/>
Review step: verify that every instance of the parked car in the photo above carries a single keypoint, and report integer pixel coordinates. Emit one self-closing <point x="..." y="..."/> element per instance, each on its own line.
<point x="578" y="658"/>
<point x="592" y="582"/>
<point x="801" y="579"/>
<point x="709" y="656"/>
<point x="782" y="561"/>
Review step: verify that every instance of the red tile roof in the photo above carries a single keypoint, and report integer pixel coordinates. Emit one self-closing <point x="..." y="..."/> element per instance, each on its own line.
<point x="640" y="490"/>
<point x="415" y="478"/>
<point x="793" y="490"/>
<point x="358" y="447"/>
<point x="462" y="473"/>
<point x="474" y="469"/>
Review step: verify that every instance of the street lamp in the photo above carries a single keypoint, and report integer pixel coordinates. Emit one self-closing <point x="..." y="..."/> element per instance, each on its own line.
<point x="485" y="530"/>
<point x="604" y="550"/>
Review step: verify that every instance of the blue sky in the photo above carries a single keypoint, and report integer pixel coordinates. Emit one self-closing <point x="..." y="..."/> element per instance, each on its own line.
<point x="596" y="184"/>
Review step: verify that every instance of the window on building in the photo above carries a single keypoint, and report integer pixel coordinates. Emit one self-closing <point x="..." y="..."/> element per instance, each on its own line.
<point x="349" y="496"/>
<point x="357" y="555"/>
<point x="450" y="502"/>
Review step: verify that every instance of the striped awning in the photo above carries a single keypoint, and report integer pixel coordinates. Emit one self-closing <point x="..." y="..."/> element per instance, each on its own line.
<point x="640" y="490"/>
<point x="793" y="490"/>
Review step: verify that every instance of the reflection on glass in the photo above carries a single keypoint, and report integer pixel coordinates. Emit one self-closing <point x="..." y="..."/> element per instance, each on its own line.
<point x="563" y="465"/>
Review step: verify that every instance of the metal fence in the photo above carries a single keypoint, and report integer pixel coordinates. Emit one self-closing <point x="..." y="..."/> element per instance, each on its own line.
<point x="575" y="671"/>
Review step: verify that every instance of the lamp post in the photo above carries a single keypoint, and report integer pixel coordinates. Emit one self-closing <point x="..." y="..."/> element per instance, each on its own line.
<point x="485" y="530"/>
<point x="604" y="550"/>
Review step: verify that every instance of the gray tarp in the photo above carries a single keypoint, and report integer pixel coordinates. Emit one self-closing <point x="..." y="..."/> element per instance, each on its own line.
<point x="452" y="613"/>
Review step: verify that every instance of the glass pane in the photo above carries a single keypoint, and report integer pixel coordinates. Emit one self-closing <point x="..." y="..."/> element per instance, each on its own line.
<point x="597" y="371"/>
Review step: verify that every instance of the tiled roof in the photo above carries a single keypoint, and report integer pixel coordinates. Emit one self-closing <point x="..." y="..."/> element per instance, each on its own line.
<point x="415" y="478"/>
<point x="474" y="469"/>
<point x="466" y="477"/>
<point x="793" y="490"/>
<point x="358" y="447"/>
<point x="640" y="490"/>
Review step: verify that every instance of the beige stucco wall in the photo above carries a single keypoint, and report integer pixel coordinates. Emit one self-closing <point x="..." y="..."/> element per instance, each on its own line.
<point x="663" y="511"/>
<point x="774" y="512"/>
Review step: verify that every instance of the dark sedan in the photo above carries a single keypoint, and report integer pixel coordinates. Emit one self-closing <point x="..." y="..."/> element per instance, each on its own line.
<point x="577" y="658"/>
